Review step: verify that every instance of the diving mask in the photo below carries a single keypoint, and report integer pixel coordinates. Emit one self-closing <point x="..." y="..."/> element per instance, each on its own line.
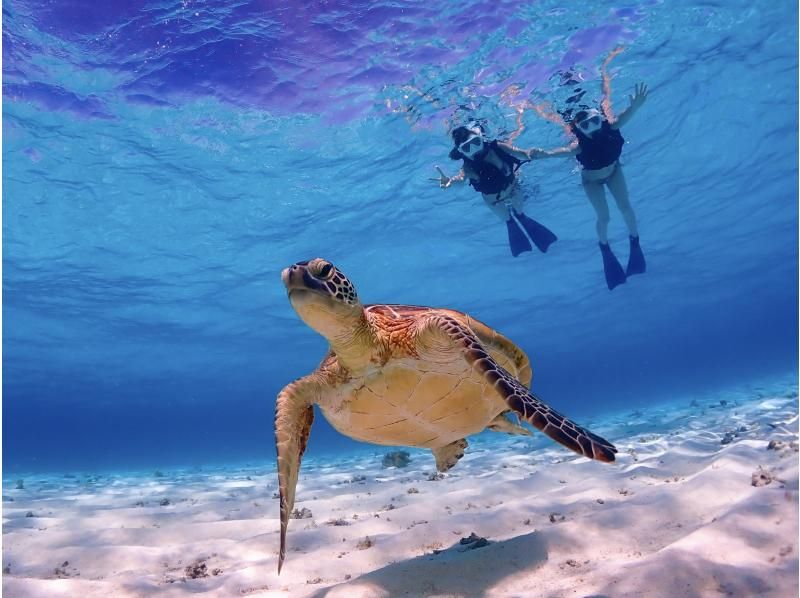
<point x="591" y="122"/>
<point x="472" y="146"/>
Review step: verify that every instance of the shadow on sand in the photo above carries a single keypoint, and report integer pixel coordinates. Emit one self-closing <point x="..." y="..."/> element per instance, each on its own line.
<point x="452" y="572"/>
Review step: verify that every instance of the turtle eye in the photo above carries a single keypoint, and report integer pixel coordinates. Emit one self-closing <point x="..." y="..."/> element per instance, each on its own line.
<point x="325" y="271"/>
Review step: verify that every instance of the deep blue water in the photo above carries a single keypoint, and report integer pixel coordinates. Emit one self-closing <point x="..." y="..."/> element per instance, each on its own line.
<point x="164" y="160"/>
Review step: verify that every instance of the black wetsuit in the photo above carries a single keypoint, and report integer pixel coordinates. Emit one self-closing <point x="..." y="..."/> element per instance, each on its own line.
<point x="601" y="149"/>
<point x="491" y="179"/>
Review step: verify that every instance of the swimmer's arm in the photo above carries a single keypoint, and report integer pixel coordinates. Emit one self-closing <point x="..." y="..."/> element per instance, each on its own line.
<point x="637" y="99"/>
<point x="560" y="152"/>
<point x="459" y="177"/>
<point x="519" y="154"/>
<point x="447" y="181"/>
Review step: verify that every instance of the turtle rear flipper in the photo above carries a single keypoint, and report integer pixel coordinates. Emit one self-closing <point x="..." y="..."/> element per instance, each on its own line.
<point x="502" y="424"/>
<point x="448" y="455"/>
<point x="519" y="398"/>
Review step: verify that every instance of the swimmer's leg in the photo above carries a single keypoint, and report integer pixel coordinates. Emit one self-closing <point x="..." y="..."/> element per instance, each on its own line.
<point x="499" y="208"/>
<point x="619" y="189"/>
<point x="615" y="275"/>
<point x="597" y="197"/>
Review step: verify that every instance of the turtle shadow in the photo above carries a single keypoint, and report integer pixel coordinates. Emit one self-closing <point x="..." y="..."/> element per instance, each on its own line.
<point x="456" y="571"/>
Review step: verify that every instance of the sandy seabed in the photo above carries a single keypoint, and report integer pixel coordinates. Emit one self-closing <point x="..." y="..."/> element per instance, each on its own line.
<point x="702" y="501"/>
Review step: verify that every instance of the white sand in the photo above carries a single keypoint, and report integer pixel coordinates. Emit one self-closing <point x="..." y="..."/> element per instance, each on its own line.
<point x="676" y="516"/>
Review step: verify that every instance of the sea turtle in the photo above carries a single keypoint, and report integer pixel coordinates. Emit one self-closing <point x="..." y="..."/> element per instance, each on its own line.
<point x="405" y="375"/>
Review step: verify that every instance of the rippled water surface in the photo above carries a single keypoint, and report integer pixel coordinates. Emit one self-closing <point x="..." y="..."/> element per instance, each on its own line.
<point x="163" y="161"/>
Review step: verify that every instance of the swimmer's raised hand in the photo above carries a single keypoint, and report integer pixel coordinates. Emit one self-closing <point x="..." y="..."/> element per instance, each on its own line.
<point x="639" y="95"/>
<point x="444" y="180"/>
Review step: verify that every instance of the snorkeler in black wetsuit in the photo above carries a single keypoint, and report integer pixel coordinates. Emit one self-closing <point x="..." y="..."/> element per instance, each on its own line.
<point x="490" y="167"/>
<point x="597" y="146"/>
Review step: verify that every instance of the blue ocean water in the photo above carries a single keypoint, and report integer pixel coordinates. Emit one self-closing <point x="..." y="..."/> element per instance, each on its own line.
<point x="163" y="161"/>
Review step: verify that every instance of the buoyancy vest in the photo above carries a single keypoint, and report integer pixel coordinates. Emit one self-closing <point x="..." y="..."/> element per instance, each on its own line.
<point x="601" y="149"/>
<point x="491" y="179"/>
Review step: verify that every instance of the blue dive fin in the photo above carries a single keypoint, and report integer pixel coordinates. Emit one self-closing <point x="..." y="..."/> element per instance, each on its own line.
<point x="541" y="236"/>
<point x="636" y="263"/>
<point x="615" y="275"/>
<point x="516" y="238"/>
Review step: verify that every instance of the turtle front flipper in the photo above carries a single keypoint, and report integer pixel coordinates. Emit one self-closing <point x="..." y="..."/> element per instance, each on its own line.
<point x="516" y="396"/>
<point x="294" y="415"/>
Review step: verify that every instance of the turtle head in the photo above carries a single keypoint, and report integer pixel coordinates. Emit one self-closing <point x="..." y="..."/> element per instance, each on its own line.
<point x="322" y="296"/>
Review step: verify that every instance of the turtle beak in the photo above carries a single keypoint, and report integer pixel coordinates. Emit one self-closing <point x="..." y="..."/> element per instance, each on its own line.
<point x="292" y="278"/>
<point x="286" y="276"/>
<point x="298" y="278"/>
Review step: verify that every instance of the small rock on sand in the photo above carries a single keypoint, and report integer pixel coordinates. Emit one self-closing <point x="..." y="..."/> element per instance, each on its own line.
<point x="365" y="543"/>
<point x="303" y="513"/>
<point x="761" y="477"/>
<point x="473" y="537"/>
<point x="396" y="459"/>
<point x="337" y="522"/>
<point x="473" y="541"/>
<point x="196" y="570"/>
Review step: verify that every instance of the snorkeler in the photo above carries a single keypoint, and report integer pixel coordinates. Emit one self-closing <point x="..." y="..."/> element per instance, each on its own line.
<point x="598" y="146"/>
<point x="490" y="167"/>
